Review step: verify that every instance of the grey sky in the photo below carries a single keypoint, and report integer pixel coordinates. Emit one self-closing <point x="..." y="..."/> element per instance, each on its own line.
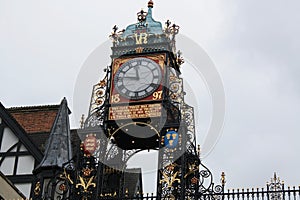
<point x="254" y="45"/>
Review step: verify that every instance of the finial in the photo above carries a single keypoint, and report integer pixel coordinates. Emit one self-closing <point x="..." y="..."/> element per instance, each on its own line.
<point x="223" y="180"/>
<point x="150" y="4"/>
<point x="180" y="59"/>
<point x="199" y="150"/>
<point x="168" y="23"/>
<point x="82" y="121"/>
<point x="115" y="28"/>
<point x="142" y="15"/>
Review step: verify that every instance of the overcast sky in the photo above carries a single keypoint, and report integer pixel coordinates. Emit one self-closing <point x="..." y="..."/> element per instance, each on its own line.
<point x="254" y="45"/>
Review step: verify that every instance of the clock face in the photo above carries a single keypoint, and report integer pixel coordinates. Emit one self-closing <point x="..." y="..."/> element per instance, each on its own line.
<point x="137" y="78"/>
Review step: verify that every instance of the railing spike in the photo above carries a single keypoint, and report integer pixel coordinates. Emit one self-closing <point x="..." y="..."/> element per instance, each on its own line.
<point x="223" y="180"/>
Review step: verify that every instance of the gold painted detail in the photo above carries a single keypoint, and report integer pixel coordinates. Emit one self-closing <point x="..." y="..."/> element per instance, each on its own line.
<point x="141" y="38"/>
<point x="102" y="83"/>
<point x="116" y="36"/>
<point x="169" y="197"/>
<point x="157" y="95"/>
<point x="37" y="188"/>
<point x="96" y="106"/>
<point x="135" y="111"/>
<point x="109" y="194"/>
<point x="136" y="123"/>
<point x="223" y="180"/>
<point x="173" y="96"/>
<point x="66" y="176"/>
<point x="171" y="31"/>
<point x="115" y="98"/>
<point x="85" y="183"/>
<point x="139" y="49"/>
<point x="192" y="169"/>
<point x="171" y="167"/>
<point x="119" y="61"/>
<point x="87" y="171"/>
<point x="173" y="77"/>
<point x="169" y="179"/>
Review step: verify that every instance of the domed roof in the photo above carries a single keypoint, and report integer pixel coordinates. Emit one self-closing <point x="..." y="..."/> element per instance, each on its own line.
<point x="146" y="24"/>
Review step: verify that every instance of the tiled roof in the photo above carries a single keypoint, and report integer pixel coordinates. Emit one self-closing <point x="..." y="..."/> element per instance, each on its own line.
<point x="40" y="140"/>
<point x="37" y="121"/>
<point x="34" y="119"/>
<point x="58" y="149"/>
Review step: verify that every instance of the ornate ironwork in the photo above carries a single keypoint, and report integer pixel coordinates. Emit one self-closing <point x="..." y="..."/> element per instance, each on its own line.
<point x="97" y="172"/>
<point x="98" y="101"/>
<point x="81" y="177"/>
<point x="142" y="15"/>
<point x="176" y="93"/>
<point x="179" y="58"/>
<point x="56" y="188"/>
<point x="171" y="31"/>
<point x="275" y="187"/>
<point x="116" y="36"/>
<point x="235" y="194"/>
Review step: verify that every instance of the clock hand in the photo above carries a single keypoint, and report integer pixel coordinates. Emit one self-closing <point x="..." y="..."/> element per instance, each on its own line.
<point x="130" y="77"/>
<point x="137" y="73"/>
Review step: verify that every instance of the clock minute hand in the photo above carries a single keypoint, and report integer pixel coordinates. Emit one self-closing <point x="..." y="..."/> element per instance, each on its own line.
<point x="131" y="77"/>
<point x="137" y="72"/>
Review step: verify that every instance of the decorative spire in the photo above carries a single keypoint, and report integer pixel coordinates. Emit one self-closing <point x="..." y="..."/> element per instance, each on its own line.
<point x="150" y="4"/>
<point x="58" y="149"/>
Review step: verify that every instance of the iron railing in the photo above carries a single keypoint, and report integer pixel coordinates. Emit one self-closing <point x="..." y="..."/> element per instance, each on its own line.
<point x="289" y="193"/>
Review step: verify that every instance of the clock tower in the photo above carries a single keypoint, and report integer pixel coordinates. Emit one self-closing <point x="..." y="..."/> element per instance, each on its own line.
<point x="138" y="105"/>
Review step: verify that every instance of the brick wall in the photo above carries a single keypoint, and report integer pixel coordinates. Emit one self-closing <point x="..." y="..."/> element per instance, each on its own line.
<point x="35" y="119"/>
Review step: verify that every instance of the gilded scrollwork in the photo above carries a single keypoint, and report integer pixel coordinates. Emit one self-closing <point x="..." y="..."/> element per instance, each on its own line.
<point x="116" y="35"/>
<point x="169" y="179"/>
<point x="86" y="183"/>
<point x="37" y="189"/>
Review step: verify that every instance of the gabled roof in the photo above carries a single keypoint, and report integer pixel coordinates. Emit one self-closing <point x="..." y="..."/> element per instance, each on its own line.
<point x="8" y="190"/>
<point x="58" y="150"/>
<point x="35" y="119"/>
<point x="20" y="133"/>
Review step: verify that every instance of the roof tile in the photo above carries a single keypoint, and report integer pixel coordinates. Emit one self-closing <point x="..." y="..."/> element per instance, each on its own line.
<point x="34" y="119"/>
